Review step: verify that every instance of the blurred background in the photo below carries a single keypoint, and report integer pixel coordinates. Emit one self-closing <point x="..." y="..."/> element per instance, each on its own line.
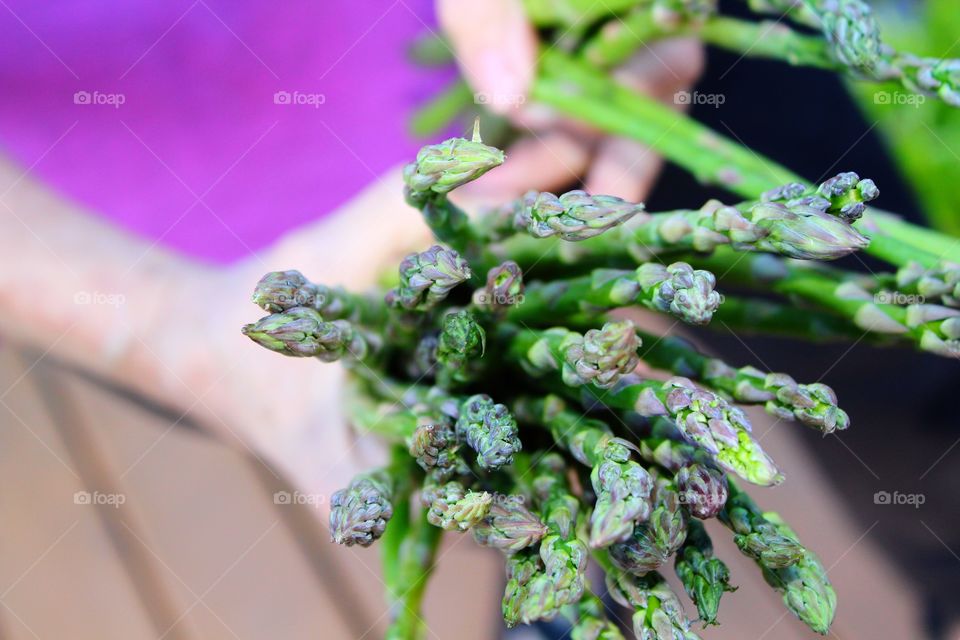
<point x="213" y="128"/>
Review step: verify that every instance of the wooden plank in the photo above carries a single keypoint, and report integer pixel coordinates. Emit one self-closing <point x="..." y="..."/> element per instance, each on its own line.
<point x="59" y="574"/>
<point x="208" y="521"/>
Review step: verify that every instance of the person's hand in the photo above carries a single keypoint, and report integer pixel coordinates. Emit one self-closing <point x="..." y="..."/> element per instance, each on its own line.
<point x="286" y="411"/>
<point x="82" y="291"/>
<point x="497" y="51"/>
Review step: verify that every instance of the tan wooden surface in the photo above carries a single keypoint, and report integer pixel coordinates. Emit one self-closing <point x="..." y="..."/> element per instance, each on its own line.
<point x="197" y="549"/>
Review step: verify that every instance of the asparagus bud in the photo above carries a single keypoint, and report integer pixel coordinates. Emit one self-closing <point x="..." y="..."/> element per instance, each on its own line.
<point x="441" y="168"/>
<point x="656" y="540"/>
<point x="574" y="216"/>
<point x="453" y="508"/>
<point x="509" y="526"/>
<point x="301" y="332"/>
<point x="435" y="447"/>
<point x="490" y="430"/>
<point x="941" y="283"/>
<point x="702" y="490"/>
<point x="798" y="229"/>
<point x="281" y="290"/>
<point x="601" y="356"/>
<point x="461" y="341"/>
<point x="707" y="420"/>
<point x="939" y="76"/>
<point x="521" y="569"/>
<point x="427" y="278"/>
<point x="814" y="405"/>
<point x="621" y="485"/>
<point x="852" y="31"/>
<point x="564" y="557"/>
<point x="806" y="589"/>
<point x="804" y="232"/>
<point x="592" y="623"/>
<point x="756" y="534"/>
<point x="679" y="289"/>
<point x="848" y="194"/>
<point x="359" y="513"/>
<point x="658" y="614"/>
<point x="504" y="288"/>
<point x="623" y="490"/>
<point x="704" y="577"/>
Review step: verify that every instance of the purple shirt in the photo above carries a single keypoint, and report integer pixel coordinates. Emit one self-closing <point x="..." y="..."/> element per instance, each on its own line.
<point x="272" y="114"/>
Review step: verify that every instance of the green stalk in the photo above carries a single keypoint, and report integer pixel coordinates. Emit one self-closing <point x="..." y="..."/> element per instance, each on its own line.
<point x="814" y="405"/>
<point x="618" y="40"/>
<point x="437" y="114"/>
<point x="416" y="560"/>
<point x="768" y="39"/>
<point x="926" y="246"/>
<point x="578" y="90"/>
<point x="677" y="289"/>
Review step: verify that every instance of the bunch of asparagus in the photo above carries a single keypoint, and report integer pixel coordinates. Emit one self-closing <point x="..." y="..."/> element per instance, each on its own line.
<point x="512" y="399"/>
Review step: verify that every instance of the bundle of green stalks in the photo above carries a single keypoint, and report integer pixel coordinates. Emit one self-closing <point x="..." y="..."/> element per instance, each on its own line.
<point x="509" y="391"/>
<point x="515" y="412"/>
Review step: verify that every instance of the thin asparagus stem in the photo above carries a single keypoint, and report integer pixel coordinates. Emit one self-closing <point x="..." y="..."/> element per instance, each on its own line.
<point x="814" y="405"/>
<point x="677" y="289"/>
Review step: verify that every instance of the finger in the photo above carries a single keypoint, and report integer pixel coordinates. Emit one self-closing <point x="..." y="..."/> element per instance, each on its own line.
<point x="663" y="68"/>
<point x="495" y="47"/>
<point x="544" y="161"/>
<point x="627" y="168"/>
<point x="623" y="168"/>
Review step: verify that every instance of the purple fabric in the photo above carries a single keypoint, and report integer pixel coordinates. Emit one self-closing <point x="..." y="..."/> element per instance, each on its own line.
<point x="199" y="117"/>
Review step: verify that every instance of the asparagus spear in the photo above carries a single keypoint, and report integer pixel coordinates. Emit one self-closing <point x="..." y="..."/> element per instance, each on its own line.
<point x="814" y="405"/>
<point x="509" y="526"/>
<point x="658" y="614"/>
<point x="303" y="333"/>
<point x="460" y="343"/>
<point x="702" y="490"/>
<point x="427" y="278"/>
<point x="454" y="508"/>
<point x="489" y="429"/>
<point x="677" y="289"/>
<point x="941" y="283"/>
<point x="621" y="485"/>
<point x="573" y="216"/>
<point x="560" y="581"/>
<point x="705" y="578"/>
<point x="592" y="623"/>
<point x="657" y="539"/>
<point x="756" y="534"/>
<point x="360" y="512"/>
<point x="599" y="357"/>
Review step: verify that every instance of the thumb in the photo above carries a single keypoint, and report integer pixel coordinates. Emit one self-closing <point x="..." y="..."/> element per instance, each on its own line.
<point x="495" y="47"/>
